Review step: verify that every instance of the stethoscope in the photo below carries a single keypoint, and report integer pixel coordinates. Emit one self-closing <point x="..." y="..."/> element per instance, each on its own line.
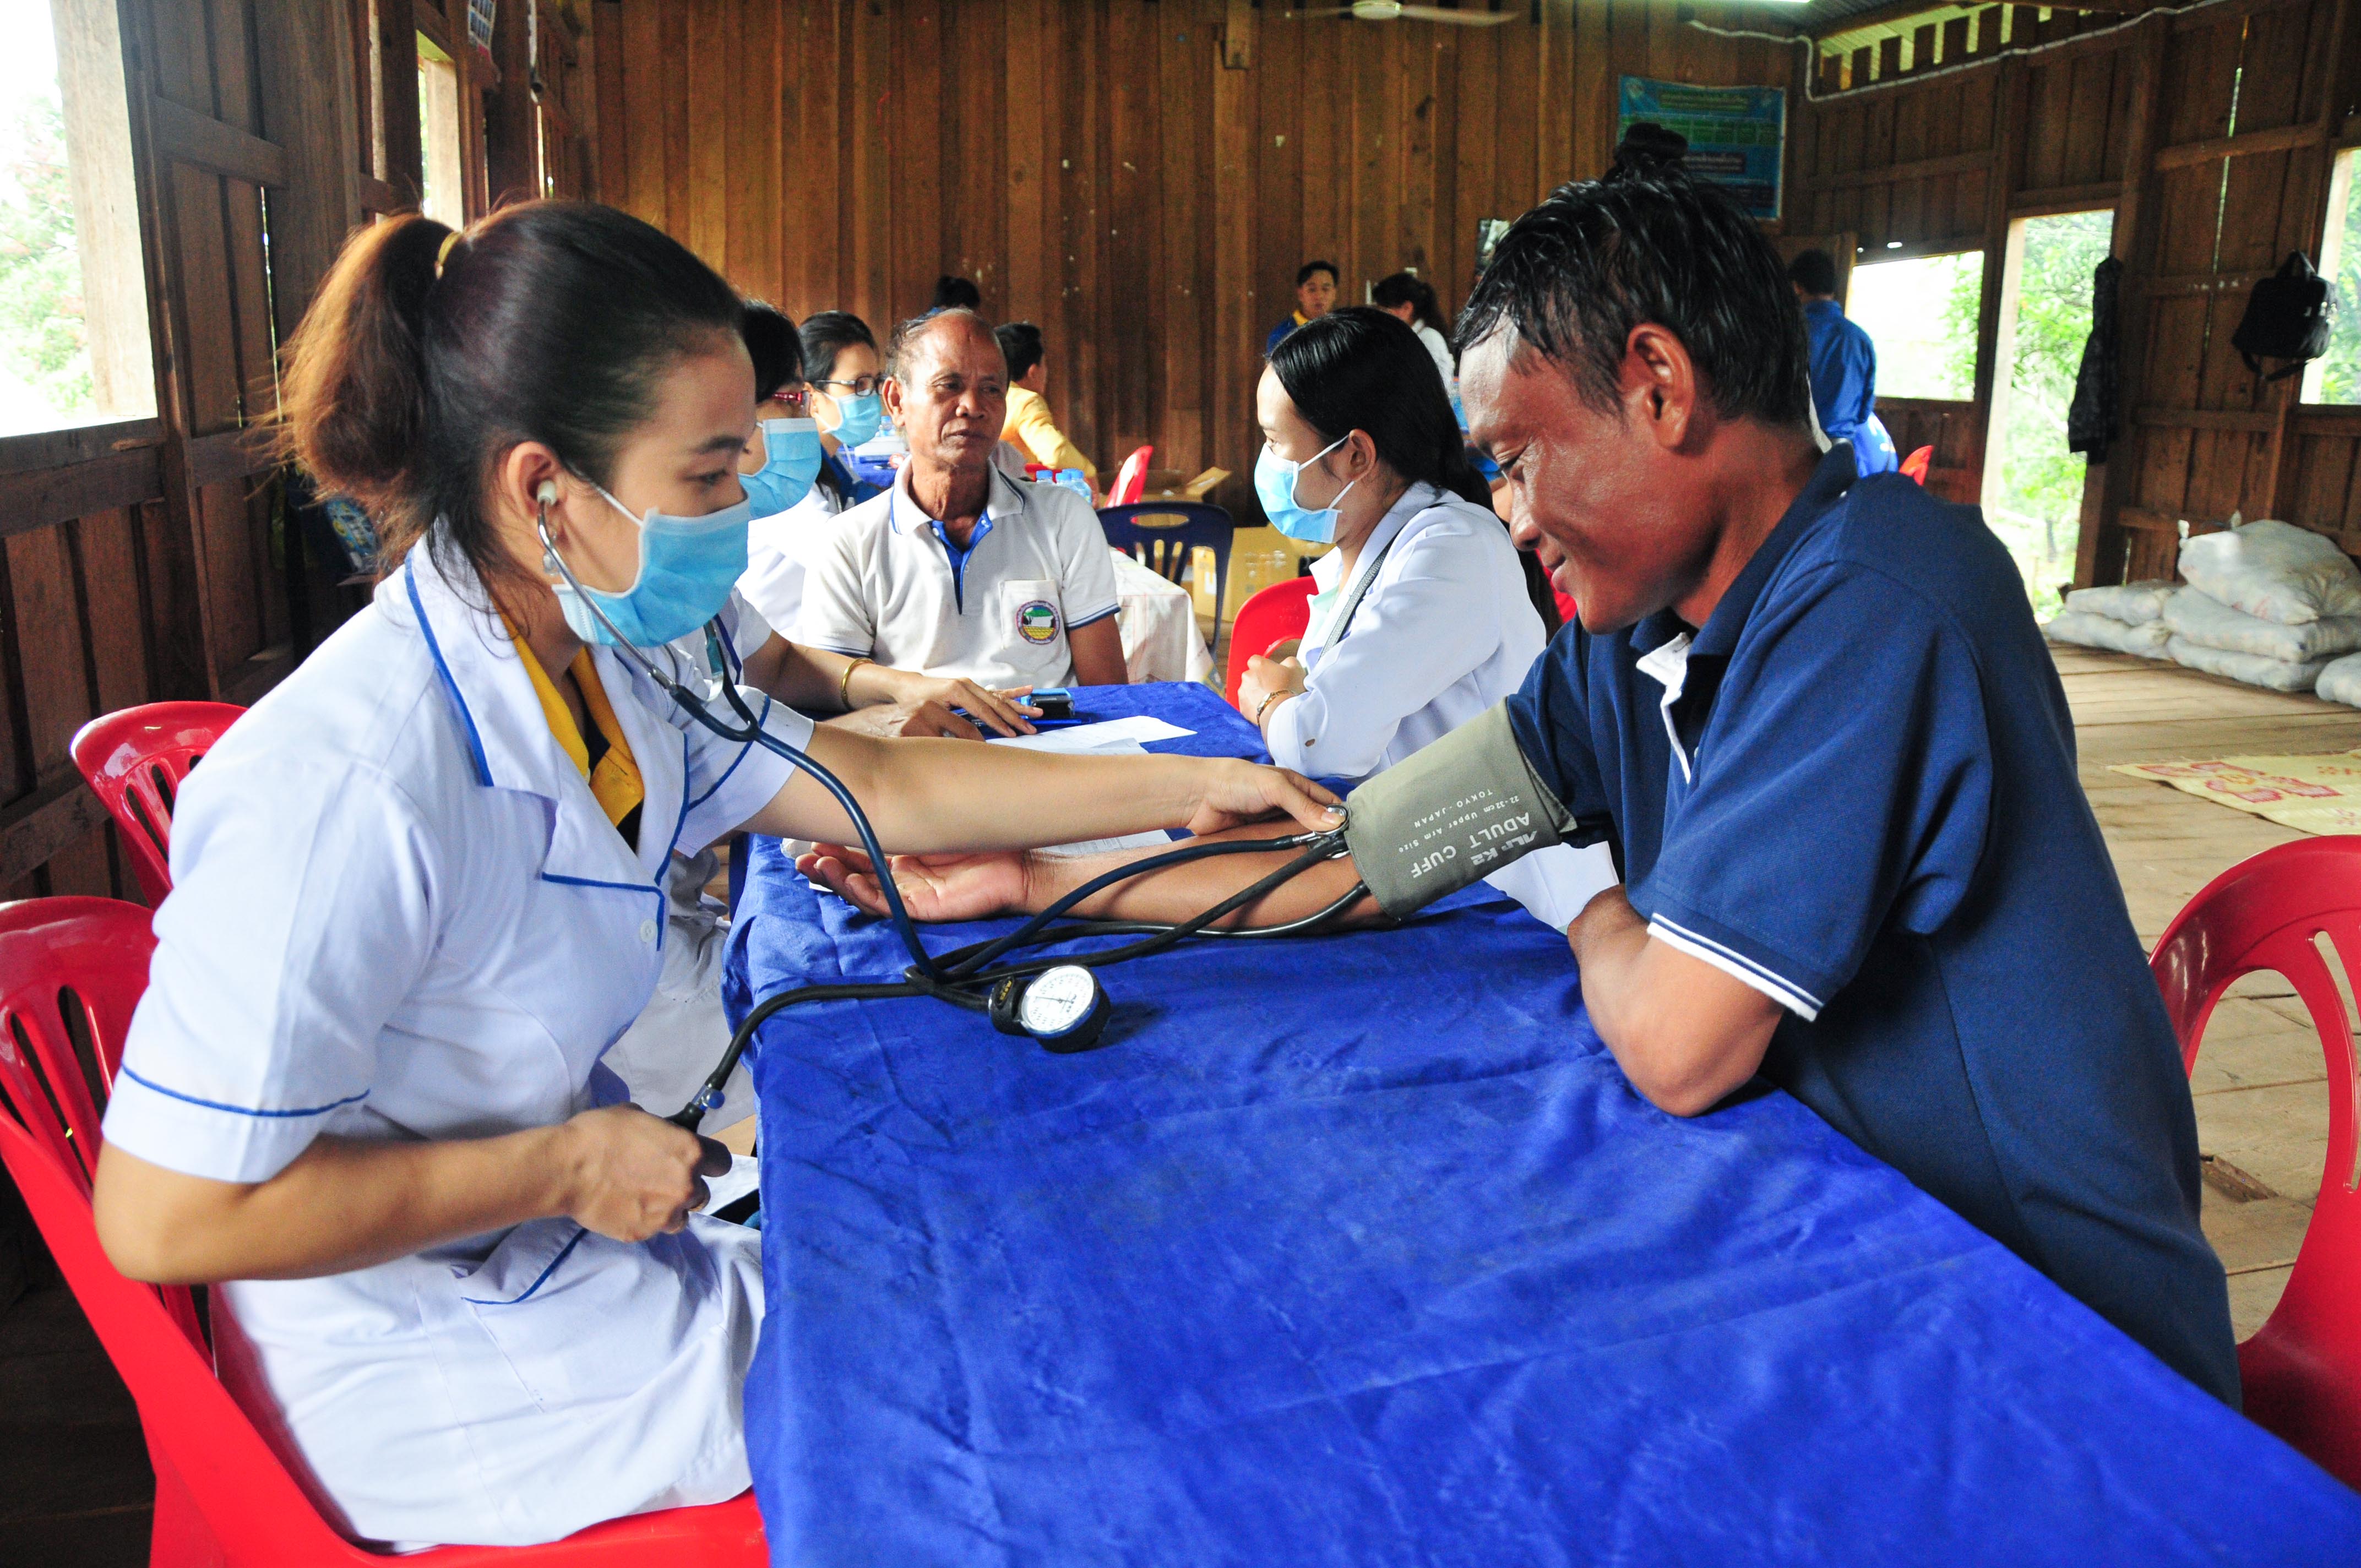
<point x="1055" y="1001"/>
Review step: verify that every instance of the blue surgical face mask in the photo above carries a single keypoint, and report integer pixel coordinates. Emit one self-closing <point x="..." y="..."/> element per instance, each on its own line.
<point x="688" y="566"/>
<point x="791" y="459"/>
<point x="1275" y="479"/>
<point x="862" y="416"/>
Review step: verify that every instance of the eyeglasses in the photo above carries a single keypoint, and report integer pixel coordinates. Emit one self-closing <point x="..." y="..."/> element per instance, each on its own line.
<point x="860" y="389"/>
<point x="796" y="395"/>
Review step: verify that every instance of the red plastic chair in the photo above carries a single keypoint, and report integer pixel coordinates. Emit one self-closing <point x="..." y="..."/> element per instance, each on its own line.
<point x="1914" y="465"/>
<point x="1274" y="615"/>
<point x="135" y="759"/>
<point x="2303" y="1369"/>
<point x="226" y="1496"/>
<point x="1131" y="479"/>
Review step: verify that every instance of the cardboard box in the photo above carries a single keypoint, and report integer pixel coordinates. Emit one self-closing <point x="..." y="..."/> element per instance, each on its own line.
<point x="1164" y="485"/>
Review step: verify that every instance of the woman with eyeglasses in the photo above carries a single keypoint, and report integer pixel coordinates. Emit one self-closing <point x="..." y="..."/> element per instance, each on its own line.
<point x="838" y="354"/>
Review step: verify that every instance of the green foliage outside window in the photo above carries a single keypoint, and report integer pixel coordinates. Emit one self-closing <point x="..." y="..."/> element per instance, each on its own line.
<point x="44" y="344"/>
<point x="2035" y="503"/>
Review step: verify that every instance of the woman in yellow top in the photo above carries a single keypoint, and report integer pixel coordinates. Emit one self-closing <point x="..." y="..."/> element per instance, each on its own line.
<point x="1029" y="426"/>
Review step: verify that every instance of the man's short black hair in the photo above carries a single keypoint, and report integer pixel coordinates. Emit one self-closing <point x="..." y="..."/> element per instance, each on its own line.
<point x="955" y="293"/>
<point x="1599" y="257"/>
<point x="1303" y="273"/>
<point x="1020" y="344"/>
<point x="1814" y="272"/>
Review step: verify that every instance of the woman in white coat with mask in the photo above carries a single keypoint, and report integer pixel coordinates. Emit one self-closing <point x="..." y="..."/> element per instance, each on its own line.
<point x="1425" y="613"/>
<point x="419" y="890"/>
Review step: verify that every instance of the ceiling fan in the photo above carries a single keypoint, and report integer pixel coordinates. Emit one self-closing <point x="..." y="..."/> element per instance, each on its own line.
<point x="1392" y="11"/>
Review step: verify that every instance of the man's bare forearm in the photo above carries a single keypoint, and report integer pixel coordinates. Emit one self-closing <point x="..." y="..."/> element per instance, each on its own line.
<point x="1183" y="892"/>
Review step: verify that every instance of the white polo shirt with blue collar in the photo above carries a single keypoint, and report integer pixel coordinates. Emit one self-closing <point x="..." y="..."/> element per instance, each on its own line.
<point x="892" y="586"/>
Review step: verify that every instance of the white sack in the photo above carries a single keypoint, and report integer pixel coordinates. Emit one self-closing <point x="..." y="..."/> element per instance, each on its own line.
<point x="2341" y="682"/>
<point x="2275" y="673"/>
<point x="2147" y="640"/>
<point x="2200" y="620"/>
<point x="2273" y="570"/>
<point x="2133" y="604"/>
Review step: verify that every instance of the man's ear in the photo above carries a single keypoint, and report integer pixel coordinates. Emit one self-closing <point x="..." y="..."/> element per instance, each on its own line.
<point x="1659" y="384"/>
<point x="889" y="392"/>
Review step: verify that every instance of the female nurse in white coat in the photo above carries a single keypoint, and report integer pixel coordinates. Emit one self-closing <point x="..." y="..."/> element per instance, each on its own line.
<point x="419" y="890"/>
<point x="1425" y="614"/>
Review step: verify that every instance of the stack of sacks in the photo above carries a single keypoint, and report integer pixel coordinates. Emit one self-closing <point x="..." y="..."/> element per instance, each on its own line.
<point x="2126" y="619"/>
<point x="2271" y="605"/>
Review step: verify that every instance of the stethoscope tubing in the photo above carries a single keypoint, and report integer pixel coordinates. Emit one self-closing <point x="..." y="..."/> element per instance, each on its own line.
<point x="961" y="978"/>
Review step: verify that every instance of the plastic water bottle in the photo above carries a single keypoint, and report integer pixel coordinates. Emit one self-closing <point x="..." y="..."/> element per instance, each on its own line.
<point x="1071" y="478"/>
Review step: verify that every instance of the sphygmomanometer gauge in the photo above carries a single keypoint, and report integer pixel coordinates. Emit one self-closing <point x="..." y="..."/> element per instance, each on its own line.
<point x="1065" y="1008"/>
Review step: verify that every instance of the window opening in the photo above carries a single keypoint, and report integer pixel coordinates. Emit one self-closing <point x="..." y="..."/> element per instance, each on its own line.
<point x="1921" y="352"/>
<point x="2033" y="485"/>
<point x="74" y="281"/>
<point x="445" y="199"/>
<point x="2335" y="376"/>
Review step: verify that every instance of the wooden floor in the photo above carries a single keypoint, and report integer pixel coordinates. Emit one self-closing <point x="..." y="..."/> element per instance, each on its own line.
<point x="2262" y="1096"/>
<point x="74" y="1483"/>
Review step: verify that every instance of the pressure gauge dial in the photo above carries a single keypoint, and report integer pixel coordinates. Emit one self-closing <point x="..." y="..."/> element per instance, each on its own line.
<point x="1065" y="1008"/>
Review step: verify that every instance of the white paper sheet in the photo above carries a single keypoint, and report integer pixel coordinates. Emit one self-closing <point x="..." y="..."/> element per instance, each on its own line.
<point x="1108" y="735"/>
<point x="1156" y="837"/>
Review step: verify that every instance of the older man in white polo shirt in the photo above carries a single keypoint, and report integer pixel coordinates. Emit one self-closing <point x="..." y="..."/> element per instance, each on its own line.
<point x="960" y="570"/>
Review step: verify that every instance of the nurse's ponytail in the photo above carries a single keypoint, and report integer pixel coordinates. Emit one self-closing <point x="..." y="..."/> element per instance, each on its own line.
<point x="428" y="353"/>
<point x="353" y="391"/>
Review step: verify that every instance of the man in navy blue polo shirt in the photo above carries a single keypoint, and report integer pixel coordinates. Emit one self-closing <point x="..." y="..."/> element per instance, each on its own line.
<point x="1814" y="714"/>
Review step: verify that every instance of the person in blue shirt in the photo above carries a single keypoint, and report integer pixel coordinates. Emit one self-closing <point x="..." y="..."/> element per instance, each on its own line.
<point x="1844" y="365"/>
<point x="1814" y="717"/>
<point x="1315" y="296"/>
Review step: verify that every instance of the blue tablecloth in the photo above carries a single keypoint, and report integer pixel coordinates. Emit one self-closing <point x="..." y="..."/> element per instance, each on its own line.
<point x="1361" y="1251"/>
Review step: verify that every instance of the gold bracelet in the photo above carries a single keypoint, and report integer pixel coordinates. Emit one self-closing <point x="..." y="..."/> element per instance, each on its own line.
<point x="844" y="687"/>
<point x="1264" y="705"/>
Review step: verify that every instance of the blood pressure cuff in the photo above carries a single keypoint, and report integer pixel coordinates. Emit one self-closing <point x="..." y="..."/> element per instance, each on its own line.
<point x="1451" y="815"/>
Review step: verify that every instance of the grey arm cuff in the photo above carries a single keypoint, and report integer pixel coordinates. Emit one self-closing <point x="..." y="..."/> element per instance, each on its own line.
<point x="1450" y="815"/>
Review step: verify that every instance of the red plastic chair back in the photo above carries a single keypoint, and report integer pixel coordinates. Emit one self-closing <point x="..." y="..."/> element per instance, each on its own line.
<point x="135" y="759"/>
<point x="71" y="970"/>
<point x="1914" y="465"/>
<point x="2303" y="1369"/>
<point x="1131" y="479"/>
<point x="1279" y="612"/>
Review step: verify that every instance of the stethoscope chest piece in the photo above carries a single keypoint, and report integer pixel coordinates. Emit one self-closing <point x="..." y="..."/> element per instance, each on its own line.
<point x="1065" y="1008"/>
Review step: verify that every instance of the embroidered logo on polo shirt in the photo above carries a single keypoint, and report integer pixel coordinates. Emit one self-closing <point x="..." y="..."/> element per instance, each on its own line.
<point x="1037" y="621"/>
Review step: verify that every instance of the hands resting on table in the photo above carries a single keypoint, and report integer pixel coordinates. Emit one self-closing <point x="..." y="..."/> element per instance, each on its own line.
<point x="923" y="705"/>
<point x="1686" y="1033"/>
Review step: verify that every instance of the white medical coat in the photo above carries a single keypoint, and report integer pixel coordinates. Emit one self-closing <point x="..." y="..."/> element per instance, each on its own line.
<point x="398" y="913"/>
<point x="1444" y="632"/>
<point x="780" y="550"/>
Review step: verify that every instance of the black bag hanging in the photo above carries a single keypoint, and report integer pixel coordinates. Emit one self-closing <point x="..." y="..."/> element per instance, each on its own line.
<point x="2288" y="317"/>
<point x="2092" y="419"/>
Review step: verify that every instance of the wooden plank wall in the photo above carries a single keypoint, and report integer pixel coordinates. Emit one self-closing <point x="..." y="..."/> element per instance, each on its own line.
<point x="142" y="559"/>
<point x="1095" y="167"/>
<point x="2138" y="116"/>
